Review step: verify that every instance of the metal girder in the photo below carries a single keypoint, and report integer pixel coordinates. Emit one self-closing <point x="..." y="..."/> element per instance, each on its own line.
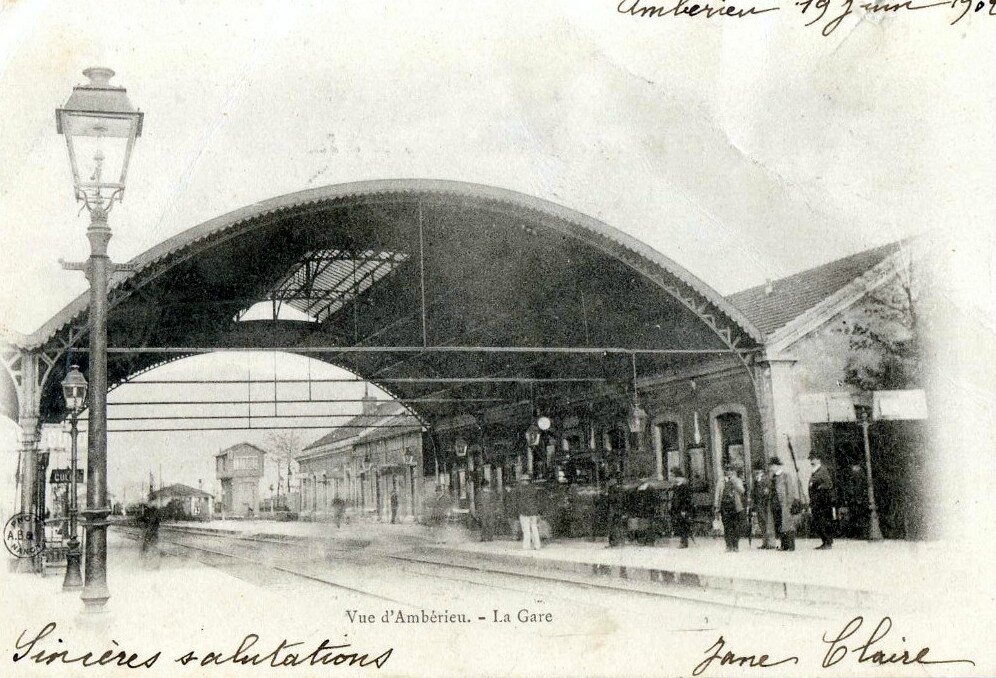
<point x="249" y="428"/>
<point x="355" y="380"/>
<point x="297" y="402"/>
<point x="212" y="417"/>
<point x="574" y="350"/>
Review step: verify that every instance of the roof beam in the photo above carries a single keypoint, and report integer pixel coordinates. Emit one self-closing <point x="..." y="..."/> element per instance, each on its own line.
<point x="574" y="350"/>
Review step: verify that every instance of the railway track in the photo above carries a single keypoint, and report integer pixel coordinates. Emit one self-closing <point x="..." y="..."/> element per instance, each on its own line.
<point x="135" y="533"/>
<point x="356" y="552"/>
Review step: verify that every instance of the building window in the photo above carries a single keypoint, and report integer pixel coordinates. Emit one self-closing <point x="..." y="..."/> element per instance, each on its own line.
<point x="730" y="439"/>
<point x="668" y="445"/>
<point x="247" y="463"/>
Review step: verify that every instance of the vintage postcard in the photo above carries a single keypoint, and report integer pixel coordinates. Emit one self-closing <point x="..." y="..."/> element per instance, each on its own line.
<point x="550" y="338"/>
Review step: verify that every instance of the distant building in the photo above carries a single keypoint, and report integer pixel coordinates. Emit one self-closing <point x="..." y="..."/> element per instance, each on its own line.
<point x="375" y="454"/>
<point x="239" y="469"/>
<point x="195" y="503"/>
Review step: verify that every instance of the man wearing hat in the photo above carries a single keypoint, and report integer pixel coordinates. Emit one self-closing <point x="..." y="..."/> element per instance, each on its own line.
<point x="681" y="506"/>
<point x="821" y="500"/>
<point x="729" y="505"/>
<point x="760" y="507"/>
<point x="785" y="507"/>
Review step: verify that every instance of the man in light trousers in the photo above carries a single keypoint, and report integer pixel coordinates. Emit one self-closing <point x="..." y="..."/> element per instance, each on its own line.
<point x="529" y="513"/>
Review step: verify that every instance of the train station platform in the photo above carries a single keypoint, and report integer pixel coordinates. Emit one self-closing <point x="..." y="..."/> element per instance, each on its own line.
<point x="852" y="573"/>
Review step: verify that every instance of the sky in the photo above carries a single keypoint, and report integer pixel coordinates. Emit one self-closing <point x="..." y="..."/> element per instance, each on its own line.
<point x="180" y="456"/>
<point x="742" y="150"/>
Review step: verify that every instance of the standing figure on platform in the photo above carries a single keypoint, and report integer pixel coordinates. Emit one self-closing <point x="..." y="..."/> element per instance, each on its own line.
<point x="338" y="510"/>
<point x="785" y="505"/>
<point x="150" y="520"/>
<point x="821" y="501"/>
<point x="761" y="508"/>
<point x="615" y="500"/>
<point x="855" y="499"/>
<point x="681" y="507"/>
<point x="394" y="505"/>
<point x="487" y="511"/>
<point x="529" y="513"/>
<point x="729" y="505"/>
<point x="438" y="510"/>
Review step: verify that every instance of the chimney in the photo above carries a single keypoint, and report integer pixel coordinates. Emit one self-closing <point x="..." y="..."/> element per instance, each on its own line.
<point x="369" y="402"/>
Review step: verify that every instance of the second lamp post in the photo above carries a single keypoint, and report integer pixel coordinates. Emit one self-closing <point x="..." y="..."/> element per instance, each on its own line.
<point x="74" y="390"/>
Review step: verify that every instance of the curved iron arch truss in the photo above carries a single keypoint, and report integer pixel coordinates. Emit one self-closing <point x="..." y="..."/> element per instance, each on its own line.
<point x="434" y="264"/>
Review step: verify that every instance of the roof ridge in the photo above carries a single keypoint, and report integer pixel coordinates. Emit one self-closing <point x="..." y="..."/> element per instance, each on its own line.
<point x="772" y="305"/>
<point x="810" y="270"/>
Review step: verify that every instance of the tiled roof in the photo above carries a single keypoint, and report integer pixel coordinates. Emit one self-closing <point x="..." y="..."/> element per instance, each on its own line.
<point x="179" y="490"/>
<point x="237" y="446"/>
<point x="792" y="296"/>
<point x="388" y="412"/>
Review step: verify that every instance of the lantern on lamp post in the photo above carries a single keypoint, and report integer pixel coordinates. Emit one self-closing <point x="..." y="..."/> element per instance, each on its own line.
<point x="100" y="125"/>
<point x="74" y="388"/>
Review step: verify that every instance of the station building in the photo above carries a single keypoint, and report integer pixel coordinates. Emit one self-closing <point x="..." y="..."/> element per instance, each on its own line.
<point x="376" y="453"/>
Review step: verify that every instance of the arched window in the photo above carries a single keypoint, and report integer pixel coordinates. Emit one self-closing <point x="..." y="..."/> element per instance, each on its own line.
<point x="669" y="445"/>
<point x="730" y="439"/>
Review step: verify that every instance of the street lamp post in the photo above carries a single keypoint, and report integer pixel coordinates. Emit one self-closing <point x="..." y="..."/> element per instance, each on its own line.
<point x="100" y="126"/>
<point x="410" y="461"/>
<point x="874" y="529"/>
<point x="74" y="388"/>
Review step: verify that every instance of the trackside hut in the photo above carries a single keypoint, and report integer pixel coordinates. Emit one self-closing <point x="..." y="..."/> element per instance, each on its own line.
<point x="194" y="503"/>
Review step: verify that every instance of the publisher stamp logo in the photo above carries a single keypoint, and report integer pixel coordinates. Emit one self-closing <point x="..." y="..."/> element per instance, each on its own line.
<point x="22" y="535"/>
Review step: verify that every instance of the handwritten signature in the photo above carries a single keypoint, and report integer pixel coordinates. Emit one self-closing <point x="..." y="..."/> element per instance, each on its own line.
<point x="870" y="652"/>
<point x="828" y="13"/>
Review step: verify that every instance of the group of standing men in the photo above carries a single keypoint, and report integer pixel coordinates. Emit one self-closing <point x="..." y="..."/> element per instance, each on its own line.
<point x="776" y="501"/>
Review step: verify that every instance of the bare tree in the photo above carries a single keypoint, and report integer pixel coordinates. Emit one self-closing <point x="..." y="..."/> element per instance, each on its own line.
<point x="886" y="334"/>
<point x="284" y="445"/>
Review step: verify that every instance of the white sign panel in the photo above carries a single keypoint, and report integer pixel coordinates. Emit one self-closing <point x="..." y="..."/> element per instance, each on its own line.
<point x="820" y="408"/>
<point x="911" y="404"/>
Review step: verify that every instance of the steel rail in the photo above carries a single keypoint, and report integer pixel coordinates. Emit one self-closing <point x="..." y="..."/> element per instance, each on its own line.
<point x="281" y="568"/>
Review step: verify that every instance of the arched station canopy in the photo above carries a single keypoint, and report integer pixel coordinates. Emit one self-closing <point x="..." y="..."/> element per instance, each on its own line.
<point x="397" y="265"/>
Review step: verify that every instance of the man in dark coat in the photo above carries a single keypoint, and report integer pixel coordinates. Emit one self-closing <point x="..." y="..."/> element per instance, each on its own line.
<point x="821" y="501"/>
<point x="616" y="500"/>
<point x="394" y="505"/>
<point x="785" y="504"/>
<point x="730" y="505"/>
<point x="681" y="506"/>
<point x="488" y="511"/>
<point x="855" y="500"/>
<point x="338" y="510"/>
<point x="760" y="507"/>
